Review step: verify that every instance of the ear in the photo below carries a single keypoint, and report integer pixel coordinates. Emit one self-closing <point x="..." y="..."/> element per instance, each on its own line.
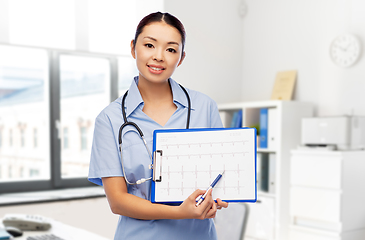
<point x="182" y="59"/>
<point x="133" y="52"/>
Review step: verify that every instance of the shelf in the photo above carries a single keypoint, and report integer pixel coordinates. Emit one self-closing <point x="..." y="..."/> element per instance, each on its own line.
<point x="258" y="104"/>
<point x="265" y="150"/>
<point x="274" y="205"/>
<point x="265" y="194"/>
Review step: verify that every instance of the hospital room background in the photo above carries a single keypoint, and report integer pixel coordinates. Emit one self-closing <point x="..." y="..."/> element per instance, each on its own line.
<point x="234" y="51"/>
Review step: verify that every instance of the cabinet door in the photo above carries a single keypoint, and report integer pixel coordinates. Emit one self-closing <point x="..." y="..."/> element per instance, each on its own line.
<point x="316" y="204"/>
<point x="260" y="223"/>
<point x="316" y="171"/>
<point x="296" y="234"/>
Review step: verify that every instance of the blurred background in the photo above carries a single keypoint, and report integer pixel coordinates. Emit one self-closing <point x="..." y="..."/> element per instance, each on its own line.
<point x="62" y="62"/>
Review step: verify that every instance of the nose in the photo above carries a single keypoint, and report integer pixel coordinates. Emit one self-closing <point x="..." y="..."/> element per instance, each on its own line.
<point x="159" y="55"/>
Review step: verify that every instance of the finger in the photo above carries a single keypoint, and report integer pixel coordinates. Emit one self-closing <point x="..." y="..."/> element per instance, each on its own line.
<point x="197" y="193"/>
<point x="221" y="204"/>
<point x="212" y="212"/>
<point x="207" y="203"/>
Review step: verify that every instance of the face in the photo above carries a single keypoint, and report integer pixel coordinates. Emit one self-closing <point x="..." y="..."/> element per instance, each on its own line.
<point x="157" y="52"/>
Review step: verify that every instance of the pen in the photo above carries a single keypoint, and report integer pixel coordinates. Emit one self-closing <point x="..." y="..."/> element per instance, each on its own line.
<point x="210" y="187"/>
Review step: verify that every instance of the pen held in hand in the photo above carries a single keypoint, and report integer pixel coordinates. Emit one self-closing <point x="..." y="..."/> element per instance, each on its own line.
<point x="201" y="199"/>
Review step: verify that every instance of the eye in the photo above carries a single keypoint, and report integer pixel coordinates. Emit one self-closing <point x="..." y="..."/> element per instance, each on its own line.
<point x="171" y="50"/>
<point x="149" y="45"/>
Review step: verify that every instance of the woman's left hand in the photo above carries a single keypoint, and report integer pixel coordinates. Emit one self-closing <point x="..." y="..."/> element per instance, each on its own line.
<point x="221" y="204"/>
<point x="216" y="205"/>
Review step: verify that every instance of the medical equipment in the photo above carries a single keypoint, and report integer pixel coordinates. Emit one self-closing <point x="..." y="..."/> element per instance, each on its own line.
<point x="126" y="123"/>
<point x="338" y="132"/>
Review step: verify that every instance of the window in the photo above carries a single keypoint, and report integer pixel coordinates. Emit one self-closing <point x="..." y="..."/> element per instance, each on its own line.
<point x="79" y="87"/>
<point x="22" y="138"/>
<point x="65" y="138"/>
<point x="127" y="70"/>
<point x="10" y="137"/>
<point x="24" y="104"/>
<point x="83" y="138"/>
<point x="84" y="92"/>
<point x="49" y="98"/>
<point x="10" y="171"/>
<point x="35" y="138"/>
<point x="33" y="173"/>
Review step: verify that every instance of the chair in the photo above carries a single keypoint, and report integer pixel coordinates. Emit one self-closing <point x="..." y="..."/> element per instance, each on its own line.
<point x="231" y="222"/>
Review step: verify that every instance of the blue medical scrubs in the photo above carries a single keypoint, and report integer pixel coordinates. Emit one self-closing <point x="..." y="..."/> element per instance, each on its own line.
<point x="105" y="158"/>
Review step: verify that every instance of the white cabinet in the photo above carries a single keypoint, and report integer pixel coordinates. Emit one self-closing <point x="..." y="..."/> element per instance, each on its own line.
<point x="269" y="217"/>
<point x="327" y="195"/>
<point x="261" y="222"/>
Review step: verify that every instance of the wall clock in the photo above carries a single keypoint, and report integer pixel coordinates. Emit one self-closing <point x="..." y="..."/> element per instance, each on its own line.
<point x="345" y="50"/>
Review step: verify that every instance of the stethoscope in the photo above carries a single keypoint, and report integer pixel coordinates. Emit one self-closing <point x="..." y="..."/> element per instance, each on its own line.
<point x="126" y="123"/>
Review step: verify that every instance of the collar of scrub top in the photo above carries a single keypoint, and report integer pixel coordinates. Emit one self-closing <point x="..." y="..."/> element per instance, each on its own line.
<point x="135" y="99"/>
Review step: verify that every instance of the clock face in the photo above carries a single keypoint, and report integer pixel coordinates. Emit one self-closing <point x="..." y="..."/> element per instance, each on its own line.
<point x="345" y="50"/>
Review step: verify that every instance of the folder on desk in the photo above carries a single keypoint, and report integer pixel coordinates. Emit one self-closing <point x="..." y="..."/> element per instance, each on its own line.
<point x="189" y="159"/>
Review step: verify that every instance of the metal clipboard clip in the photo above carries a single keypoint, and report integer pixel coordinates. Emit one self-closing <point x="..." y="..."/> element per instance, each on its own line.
<point x="157" y="166"/>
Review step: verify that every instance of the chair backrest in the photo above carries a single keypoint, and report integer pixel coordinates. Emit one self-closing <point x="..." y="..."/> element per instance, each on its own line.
<point x="231" y="222"/>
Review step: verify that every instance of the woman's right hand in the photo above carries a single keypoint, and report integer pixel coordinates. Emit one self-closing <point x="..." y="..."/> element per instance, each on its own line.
<point x="207" y="209"/>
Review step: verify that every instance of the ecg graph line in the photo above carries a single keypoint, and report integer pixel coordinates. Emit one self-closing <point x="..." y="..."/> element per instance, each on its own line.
<point x="179" y="174"/>
<point x="196" y="171"/>
<point x="238" y="186"/>
<point x="200" y="155"/>
<point x="177" y="145"/>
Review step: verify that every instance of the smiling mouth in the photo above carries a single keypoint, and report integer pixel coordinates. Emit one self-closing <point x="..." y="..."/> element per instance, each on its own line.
<point x="156" y="68"/>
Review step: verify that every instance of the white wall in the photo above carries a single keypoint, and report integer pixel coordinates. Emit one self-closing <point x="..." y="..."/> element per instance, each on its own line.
<point x="214" y="47"/>
<point x="234" y="59"/>
<point x="284" y="35"/>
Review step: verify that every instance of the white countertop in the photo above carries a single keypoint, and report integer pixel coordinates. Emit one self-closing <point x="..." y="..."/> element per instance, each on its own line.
<point x="51" y="195"/>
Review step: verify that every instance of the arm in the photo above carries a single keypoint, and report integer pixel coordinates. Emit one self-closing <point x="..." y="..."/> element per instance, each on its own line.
<point x="123" y="203"/>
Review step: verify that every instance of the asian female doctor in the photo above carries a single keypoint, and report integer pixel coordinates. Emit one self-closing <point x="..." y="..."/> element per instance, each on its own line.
<point x="121" y="155"/>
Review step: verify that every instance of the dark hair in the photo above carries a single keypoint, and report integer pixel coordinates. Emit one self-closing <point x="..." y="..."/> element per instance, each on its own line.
<point x="161" y="17"/>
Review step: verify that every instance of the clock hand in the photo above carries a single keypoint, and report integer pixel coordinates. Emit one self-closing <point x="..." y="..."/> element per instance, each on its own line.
<point x="346" y="47"/>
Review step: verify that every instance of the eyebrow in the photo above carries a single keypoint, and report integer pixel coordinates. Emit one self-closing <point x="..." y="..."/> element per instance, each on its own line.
<point x="154" y="39"/>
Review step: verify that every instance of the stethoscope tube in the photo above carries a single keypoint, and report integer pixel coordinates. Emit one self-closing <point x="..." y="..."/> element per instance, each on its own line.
<point x="189" y="106"/>
<point x="126" y="123"/>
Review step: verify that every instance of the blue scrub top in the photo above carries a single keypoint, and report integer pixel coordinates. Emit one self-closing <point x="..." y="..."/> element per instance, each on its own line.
<point x="105" y="157"/>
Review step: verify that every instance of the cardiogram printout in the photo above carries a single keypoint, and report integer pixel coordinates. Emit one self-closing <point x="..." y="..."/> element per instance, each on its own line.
<point x="190" y="159"/>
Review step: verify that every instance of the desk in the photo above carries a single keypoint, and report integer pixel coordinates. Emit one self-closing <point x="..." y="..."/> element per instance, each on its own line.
<point x="64" y="231"/>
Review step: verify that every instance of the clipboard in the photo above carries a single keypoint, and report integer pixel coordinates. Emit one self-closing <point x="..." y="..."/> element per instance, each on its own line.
<point x="188" y="159"/>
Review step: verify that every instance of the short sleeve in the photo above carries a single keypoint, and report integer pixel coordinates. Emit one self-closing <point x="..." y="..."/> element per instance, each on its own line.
<point x="105" y="156"/>
<point x="216" y="121"/>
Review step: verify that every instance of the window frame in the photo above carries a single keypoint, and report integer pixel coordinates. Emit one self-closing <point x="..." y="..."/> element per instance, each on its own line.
<point x="56" y="181"/>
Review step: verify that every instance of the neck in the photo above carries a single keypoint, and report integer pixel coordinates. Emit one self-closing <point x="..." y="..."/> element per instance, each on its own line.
<point x="154" y="92"/>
